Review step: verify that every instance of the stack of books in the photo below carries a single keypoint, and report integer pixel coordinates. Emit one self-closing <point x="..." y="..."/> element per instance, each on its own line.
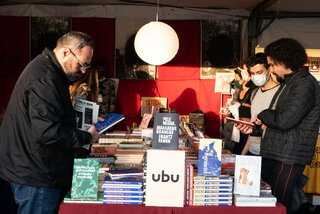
<point x="212" y="190"/>
<point x="266" y="199"/>
<point x="123" y="190"/>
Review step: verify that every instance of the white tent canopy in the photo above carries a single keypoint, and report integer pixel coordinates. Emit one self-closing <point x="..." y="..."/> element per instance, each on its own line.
<point x="306" y="30"/>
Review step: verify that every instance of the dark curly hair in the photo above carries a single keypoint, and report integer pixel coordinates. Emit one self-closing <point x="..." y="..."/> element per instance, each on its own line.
<point x="288" y="52"/>
<point x="259" y="58"/>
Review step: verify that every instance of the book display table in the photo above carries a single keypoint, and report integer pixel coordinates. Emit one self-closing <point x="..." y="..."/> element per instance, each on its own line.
<point x="83" y="208"/>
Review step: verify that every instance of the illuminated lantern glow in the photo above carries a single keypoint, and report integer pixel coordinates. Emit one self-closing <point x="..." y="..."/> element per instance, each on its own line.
<point x="156" y="43"/>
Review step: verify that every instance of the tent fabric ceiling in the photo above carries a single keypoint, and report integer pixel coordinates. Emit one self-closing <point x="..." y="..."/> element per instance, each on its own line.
<point x="273" y="5"/>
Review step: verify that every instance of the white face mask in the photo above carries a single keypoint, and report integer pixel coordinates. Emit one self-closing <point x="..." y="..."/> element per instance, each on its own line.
<point x="244" y="75"/>
<point x="259" y="80"/>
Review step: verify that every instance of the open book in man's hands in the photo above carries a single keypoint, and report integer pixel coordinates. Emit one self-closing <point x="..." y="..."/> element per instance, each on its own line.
<point x="236" y="122"/>
<point x="110" y="120"/>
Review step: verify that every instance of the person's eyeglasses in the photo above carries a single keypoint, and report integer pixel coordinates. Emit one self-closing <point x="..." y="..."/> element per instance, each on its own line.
<point x="83" y="66"/>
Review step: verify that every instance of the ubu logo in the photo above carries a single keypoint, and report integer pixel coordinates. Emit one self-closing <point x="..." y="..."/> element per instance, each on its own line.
<point x="165" y="177"/>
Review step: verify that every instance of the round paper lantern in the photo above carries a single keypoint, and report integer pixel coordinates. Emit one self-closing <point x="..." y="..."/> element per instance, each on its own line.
<point x="156" y="43"/>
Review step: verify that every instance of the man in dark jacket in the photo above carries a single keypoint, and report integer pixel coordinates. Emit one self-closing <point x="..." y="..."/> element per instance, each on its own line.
<point x="39" y="133"/>
<point x="291" y="124"/>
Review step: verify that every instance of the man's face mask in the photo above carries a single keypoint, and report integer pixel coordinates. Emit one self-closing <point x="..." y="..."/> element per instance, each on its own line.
<point x="260" y="80"/>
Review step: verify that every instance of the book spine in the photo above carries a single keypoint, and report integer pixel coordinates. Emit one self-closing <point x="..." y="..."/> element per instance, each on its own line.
<point x="122" y="194"/>
<point x="212" y="195"/>
<point x="205" y="178"/>
<point x="187" y="184"/>
<point x="121" y="186"/>
<point x="229" y="200"/>
<point x="212" y="204"/>
<point x="123" y="198"/>
<point x="213" y="182"/>
<point x="191" y="185"/>
<point x="122" y="183"/>
<point x="122" y="189"/>
<point x="213" y="191"/>
<point x="120" y="202"/>
<point x="212" y="187"/>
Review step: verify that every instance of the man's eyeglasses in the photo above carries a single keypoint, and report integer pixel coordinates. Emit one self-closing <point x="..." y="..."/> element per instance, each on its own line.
<point x="83" y="66"/>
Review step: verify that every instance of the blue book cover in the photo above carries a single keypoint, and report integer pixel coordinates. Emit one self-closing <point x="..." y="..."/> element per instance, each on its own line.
<point x="209" y="162"/>
<point x="110" y="120"/>
<point x="130" y="180"/>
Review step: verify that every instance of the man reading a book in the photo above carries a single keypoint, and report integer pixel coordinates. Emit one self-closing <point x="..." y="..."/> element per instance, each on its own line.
<point x="39" y="133"/>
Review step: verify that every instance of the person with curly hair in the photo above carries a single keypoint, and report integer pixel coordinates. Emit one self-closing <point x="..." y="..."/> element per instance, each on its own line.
<point x="291" y="124"/>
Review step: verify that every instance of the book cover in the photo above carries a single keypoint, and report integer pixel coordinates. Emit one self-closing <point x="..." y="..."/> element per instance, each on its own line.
<point x="145" y="121"/>
<point x="247" y="175"/>
<point x="155" y="103"/>
<point x="165" y="178"/>
<point x="210" y="157"/>
<point x="85" y="178"/>
<point x="165" y="131"/>
<point x="314" y="64"/>
<point x="109" y="120"/>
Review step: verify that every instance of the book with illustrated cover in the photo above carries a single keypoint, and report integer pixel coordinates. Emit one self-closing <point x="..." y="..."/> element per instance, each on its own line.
<point x="314" y="64"/>
<point x="165" y="131"/>
<point x="109" y="120"/>
<point x="247" y="175"/>
<point x="209" y="163"/>
<point x="85" y="178"/>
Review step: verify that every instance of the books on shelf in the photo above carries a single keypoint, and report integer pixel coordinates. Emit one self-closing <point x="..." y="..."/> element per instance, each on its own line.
<point x="109" y="120"/>
<point x="247" y="175"/>
<point x="210" y="151"/>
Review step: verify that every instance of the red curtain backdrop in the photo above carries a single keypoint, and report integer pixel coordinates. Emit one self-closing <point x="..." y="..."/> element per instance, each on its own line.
<point x="185" y="96"/>
<point x="102" y="31"/>
<point x="178" y="80"/>
<point x="14" y="54"/>
<point x="186" y="64"/>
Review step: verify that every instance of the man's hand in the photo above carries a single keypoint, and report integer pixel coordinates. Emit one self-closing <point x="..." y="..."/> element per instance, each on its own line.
<point x="95" y="135"/>
<point x="244" y="128"/>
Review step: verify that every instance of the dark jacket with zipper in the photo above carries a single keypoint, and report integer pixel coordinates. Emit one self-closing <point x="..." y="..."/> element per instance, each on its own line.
<point x="38" y="133"/>
<point x="292" y="127"/>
